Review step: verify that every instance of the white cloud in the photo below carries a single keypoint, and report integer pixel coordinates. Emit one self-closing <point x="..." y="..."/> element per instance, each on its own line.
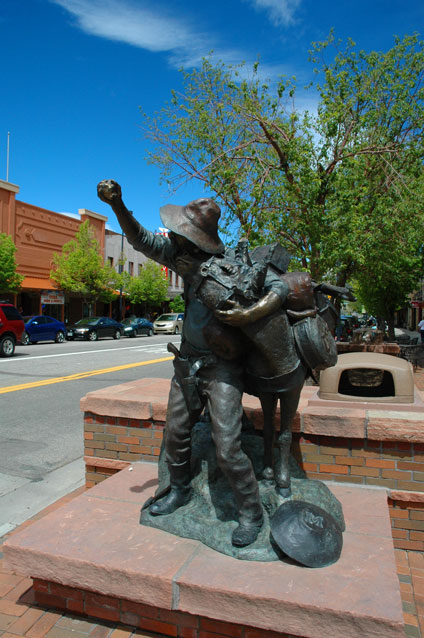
<point x="280" y="11"/>
<point x="155" y="29"/>
<point x="135" y="25"/>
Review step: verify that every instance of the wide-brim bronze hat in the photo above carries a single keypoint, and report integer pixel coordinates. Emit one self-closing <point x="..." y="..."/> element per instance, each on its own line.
<point x="307" y="533"/>
<point x="197" y="221"/>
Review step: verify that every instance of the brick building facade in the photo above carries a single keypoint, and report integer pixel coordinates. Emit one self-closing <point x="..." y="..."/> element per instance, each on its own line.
<point x="37" y="234"/>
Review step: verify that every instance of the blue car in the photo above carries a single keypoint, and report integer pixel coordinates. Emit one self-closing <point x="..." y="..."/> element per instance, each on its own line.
<point x="43" y="328"/>
<point x="139" y="326"/>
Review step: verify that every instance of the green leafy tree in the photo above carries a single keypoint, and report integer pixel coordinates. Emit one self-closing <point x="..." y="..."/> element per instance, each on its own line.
<point x="79" y="268"/>
<point x="10" y="280"/>
<point x="150" y="287"/>
<point x="177" y="304"/>
<point x="325" y="185"/>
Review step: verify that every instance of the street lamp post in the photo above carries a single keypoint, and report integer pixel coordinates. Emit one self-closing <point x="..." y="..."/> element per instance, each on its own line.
<point x="121" y="268"/>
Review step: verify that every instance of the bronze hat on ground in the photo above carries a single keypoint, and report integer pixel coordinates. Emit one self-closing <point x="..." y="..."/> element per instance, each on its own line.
<point x="197" y="221"/>
<point x="307" y="534"/>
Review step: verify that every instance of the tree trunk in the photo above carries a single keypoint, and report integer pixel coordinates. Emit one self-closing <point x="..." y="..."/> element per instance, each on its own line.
<point x="391" y="326"/>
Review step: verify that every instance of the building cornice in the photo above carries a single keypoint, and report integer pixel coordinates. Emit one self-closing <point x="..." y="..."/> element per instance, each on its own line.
<point x="7" y="186"/>
<point x="90" y="213"/>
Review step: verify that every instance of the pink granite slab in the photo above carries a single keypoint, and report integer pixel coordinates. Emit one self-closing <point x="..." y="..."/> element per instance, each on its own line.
<point x="417" y="406"/>
<point x="395" y="426"/>
<point x="373" y="519"/>
<point x="129" y="485"/>
<point x="134" y="400"/>
<point x="357" y="597"/>
<point x="334" y="421"/>
<point x="96" y="543"/>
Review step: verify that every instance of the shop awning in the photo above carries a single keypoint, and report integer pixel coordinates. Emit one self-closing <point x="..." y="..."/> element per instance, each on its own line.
<point x="37" y="283"/>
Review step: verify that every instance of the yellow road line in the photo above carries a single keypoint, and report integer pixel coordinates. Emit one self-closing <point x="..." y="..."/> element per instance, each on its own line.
<point x="79" y="375"/>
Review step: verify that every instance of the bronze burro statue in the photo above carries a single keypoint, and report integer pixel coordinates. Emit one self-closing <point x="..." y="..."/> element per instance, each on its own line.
<point x="193" y="240"/>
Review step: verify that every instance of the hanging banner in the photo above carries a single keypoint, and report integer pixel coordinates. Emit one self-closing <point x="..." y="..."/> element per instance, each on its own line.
<point x="52" y="297"/>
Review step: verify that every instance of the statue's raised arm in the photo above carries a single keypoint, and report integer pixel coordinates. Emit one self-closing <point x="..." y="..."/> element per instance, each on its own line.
<point x="110" y="192"/>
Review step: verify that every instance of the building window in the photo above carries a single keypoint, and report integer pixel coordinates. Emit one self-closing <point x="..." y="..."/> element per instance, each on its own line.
<point x="170" y="277"/>
<point x="110" y="261"/>
<point x="140" y="267"/>
<point x="177" y="283"/>
<point x="131" y="268"/>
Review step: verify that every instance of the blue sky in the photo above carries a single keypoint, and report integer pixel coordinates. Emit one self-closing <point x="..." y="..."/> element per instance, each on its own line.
<point x="75" y="72"/>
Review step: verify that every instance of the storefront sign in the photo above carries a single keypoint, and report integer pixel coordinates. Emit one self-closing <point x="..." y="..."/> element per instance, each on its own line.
<point x="52" y="297"/>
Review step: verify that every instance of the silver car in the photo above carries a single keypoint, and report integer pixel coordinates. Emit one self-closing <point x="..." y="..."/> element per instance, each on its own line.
<point x="171" y="323"/>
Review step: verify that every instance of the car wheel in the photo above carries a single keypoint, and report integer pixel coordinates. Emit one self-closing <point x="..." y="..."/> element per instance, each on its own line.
<point x="92" y="336"/>
<point x="117" y="334"/>
<point x="60" y="337"/>
<point x="25" y="340"/>
<point x="150" y="333"/>
<point x="177" y="330"/>
<point x="7" y="346"/>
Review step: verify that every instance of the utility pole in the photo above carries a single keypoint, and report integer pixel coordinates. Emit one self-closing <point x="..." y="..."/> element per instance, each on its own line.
<point x="121" y="268"/>
<point x="7" y="156"/>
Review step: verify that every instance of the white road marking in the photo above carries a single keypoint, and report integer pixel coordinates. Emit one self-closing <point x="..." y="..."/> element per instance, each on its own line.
<point x="146" y="348"/>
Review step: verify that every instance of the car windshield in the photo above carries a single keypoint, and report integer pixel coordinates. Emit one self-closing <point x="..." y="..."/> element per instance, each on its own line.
<point x="128" y="322"/>
<point x="89" y="321"/>
<point x="167" y="318"/>
<point x="26" y="319"/>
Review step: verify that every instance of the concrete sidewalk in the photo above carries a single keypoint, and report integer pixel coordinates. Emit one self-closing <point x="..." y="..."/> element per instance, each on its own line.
<point x="21" y="498"/>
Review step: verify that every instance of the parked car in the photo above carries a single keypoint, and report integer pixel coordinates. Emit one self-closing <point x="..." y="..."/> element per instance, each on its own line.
<point x="170" y="323"/>
<point x="43" y="328"/>
<point x="93" y="328"/>
<point x="137" y="326"/>
<point x="11" y="328"/>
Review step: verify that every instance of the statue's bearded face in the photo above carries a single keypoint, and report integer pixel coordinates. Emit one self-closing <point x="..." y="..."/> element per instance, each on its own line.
<point x="189" y="255"/>
<point x="183" y="244"/>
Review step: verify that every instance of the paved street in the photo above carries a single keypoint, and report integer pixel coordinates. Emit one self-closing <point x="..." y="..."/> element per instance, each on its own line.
<point x="41" y="442"/>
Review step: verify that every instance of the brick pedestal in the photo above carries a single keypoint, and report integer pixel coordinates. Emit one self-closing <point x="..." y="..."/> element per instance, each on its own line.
<point x="91" y="556"/>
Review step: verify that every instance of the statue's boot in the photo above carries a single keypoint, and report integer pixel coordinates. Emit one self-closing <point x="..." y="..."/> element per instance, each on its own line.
<point x="251" y="516"/>
<point x="179" y="493"/>
<point x="246" y="534"/>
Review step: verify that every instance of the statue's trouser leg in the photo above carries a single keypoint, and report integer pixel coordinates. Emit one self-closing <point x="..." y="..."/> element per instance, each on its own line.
<point x="179" y="424"/>
<point x="268" y="403"/>
<point x="177" y="448"/>
<point x="221" y="384"/>
<point x="288" y="406"/>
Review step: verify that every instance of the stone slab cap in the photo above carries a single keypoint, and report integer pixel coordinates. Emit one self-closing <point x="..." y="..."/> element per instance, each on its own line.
<point x="395" y="426"/>
<point x="95" y="543"/>
<point x="401" y="371"/>
<point x="408" y="497"/>
<point x="327" y="420"/>
<point x="350" y="402"/>
<point x="147" y="399"/>
<point x="134" y="400"/>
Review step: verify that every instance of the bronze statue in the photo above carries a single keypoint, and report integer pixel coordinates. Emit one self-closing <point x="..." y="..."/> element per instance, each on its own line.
<point x="202" y="376"/>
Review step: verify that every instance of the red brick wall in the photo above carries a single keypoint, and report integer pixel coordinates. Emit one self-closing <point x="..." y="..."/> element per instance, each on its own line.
<point x="407" y="524"/>
<point x="391" y="464"/>
<point x="394" y="465"/>
<point x="118" y="440"/>
<point x="145" y="617"/>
